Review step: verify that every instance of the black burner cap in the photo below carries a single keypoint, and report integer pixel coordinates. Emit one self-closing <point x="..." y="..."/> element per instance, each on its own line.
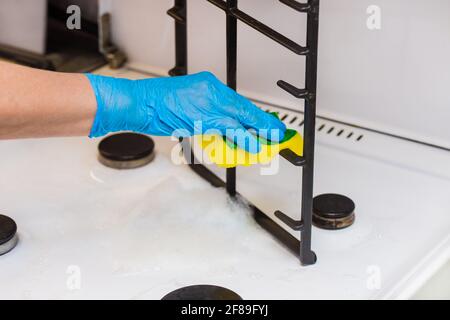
<point x="8" y="229"/>
<point x="202" y="292"/>
<point x="126" y="146"/>
<point x="333" y="211"/>
<point x="126" y="150"/>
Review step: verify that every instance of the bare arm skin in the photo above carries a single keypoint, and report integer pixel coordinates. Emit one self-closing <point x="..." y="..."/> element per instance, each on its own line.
<point x="36" y="103"/>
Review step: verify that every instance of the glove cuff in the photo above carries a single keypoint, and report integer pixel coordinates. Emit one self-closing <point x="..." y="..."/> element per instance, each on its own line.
<point x="112" y="96"/>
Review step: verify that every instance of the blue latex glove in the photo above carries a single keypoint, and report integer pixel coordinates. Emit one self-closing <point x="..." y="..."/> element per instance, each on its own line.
<point x="174" y="106"/>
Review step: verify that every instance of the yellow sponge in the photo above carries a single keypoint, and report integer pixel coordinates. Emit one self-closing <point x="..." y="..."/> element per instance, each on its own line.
<point x="226" y="154"/>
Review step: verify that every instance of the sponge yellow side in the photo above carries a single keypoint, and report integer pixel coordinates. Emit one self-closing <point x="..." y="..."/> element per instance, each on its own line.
<point x="225" y="154"/>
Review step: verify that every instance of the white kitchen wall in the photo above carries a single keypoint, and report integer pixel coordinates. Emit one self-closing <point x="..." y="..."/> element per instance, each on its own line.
<point x="396" y="79"/>
<point x="23" y="24"/>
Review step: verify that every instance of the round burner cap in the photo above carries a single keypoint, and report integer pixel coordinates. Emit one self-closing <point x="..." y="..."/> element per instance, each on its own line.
<point x="126" y="150"/>
<point x="202" y="292"/>
<point x="8" y="237"/>
<point x="333" y="211"/>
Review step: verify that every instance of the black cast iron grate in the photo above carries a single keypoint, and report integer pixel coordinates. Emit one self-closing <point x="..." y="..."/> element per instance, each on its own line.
<point x="301" y="247"/>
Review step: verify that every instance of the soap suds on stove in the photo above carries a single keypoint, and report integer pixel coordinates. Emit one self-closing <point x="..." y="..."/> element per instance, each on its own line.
<point x="189" y="228"/>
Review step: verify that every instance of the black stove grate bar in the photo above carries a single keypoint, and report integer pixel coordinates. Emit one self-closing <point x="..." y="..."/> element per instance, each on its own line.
<point x="231" y="38"/>
<point x="179" y="14"/>
<point x="298" y="6"/>
<point x="302" y="247"/>
<point x="261" y="27"/>
<point x="293" y="224"/>
<point x="296" y="92"/>
<point x="293" y="158"/>
<point x="309" y="131"/>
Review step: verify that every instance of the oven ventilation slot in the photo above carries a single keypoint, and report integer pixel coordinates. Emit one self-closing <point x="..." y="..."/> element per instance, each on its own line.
<point x="295" y="121"/>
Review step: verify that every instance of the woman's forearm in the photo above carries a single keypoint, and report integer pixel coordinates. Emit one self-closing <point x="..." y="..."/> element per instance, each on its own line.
<point x="37" y="103"/>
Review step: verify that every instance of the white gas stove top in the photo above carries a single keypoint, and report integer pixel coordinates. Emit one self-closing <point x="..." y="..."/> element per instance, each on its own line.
<point x="87" y="231"/>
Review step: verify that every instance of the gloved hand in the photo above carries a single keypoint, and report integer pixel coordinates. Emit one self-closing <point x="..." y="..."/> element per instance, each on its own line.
<point x="180" y="106"/>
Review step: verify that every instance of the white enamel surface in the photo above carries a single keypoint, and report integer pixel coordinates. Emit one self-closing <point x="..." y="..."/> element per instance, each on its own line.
<point x="141" y="233"/>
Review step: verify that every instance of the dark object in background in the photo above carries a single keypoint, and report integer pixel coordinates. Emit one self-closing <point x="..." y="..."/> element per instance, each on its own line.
<point x="333" y="211"/>
<point x="71" y="50"/>
<point x="8" y="236"/>
<point x="202" y="292"/>
<point x="126" y="150"/>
